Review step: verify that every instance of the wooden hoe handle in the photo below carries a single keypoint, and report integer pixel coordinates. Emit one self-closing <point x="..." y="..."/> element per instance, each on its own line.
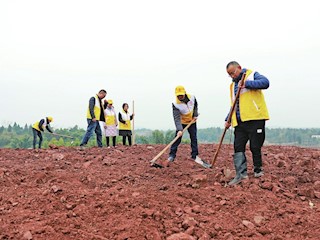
<point x="60" y="135"/>
<point x="170" y="144"/>
<point x="229" y="118"/>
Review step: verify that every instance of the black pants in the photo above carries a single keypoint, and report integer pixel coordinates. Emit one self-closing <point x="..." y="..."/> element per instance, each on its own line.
<point x="124" y="140"/>
<point x="113" y="141"/>
<point x="254" y="131"/>
<point x="36" y="134"/>
<point x="194" y="142"/>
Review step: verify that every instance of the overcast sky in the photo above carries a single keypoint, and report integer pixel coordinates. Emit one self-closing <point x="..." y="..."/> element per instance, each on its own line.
<point x="55" y="55"/>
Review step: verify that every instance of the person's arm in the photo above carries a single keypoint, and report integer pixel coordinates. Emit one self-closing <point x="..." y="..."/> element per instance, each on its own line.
<point x="226" y="123"/>
<point x="177" y="118"/>
<point x="49" y="129"/>
<point x="92" y="102"/>
<point x="259" y="82"/>
<point x="40" y="124"/>
<point x="120" y="119"/>
<point x="195" y="109"/>
<point x="131" y="117"/>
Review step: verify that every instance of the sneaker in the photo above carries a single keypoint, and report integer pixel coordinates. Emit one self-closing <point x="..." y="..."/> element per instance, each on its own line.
<point x="170" y="159"/>
<point x="202" y="162"/>
<point x="259" y="174"/>
<point x="82" y="147"/>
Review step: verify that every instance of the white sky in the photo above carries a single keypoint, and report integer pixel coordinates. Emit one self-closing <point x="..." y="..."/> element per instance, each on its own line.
<point x="55" y="55"/>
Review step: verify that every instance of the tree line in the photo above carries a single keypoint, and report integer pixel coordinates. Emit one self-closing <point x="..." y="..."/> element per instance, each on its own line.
<point x="16" y="136"/>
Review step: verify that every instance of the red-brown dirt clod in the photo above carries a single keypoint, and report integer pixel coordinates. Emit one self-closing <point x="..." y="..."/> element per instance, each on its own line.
<point x="101" y="193"/>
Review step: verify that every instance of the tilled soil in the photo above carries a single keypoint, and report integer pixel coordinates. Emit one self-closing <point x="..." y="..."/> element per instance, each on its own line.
<point x="66" y="193"/>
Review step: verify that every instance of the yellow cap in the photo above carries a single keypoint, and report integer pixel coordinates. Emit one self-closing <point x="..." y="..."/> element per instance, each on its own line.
<point x="50" y="119"/>
<point x="110" y="101"/>
<point x="180" y="90"/>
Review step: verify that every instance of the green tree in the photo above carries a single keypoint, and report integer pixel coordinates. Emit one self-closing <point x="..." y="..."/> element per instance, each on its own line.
<point x="61" y="142"/>
<point x="169" y="136"/>
<point x="157" y="137"/>
<point x="15" y="136"/>
<point x="142" y="140"/>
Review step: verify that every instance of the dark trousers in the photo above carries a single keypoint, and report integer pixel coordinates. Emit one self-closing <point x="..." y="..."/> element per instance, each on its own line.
<point x="92" y="126"/>
<point x="36" y="134"/>
<point x="194" y="142"/>
<point x="254" y="131"/>
<point x="113" y="141"/>
<point x="124" y="140"/>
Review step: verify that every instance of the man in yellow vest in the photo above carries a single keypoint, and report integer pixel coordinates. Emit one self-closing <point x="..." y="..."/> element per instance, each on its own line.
<point x="39" y="127"/>
<point x="95" y="114"/>
<point x="185" y="110"/>
<point x="248" y="119"/>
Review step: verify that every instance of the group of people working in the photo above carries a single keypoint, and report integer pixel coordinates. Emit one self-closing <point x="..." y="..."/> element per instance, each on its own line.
<point x="102" y="119"/>
<point x="248" y="119"/>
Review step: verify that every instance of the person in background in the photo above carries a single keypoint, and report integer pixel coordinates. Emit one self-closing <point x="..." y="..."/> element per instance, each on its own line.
<point x="109" y="127"/>
<point x="95" y="114"/>
<point x="125" y="124"/>
<point x="248" y="118"/>
<point x="39" y="127"/>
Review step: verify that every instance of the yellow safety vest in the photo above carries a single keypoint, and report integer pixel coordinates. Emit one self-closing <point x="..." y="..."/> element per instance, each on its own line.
<point x="125" y="117"/>
<point x="110" y="116"/>
<point x="186" y="110"/>
<point x="251" y="102"/>
<point x="36" y="125"/>
<point x="96" y="109"/>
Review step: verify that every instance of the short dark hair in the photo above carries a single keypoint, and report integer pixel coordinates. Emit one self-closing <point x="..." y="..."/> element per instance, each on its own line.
<point x="102" y="91"/>
<point x="234" y="63"/>
<point x="124" y="105"/>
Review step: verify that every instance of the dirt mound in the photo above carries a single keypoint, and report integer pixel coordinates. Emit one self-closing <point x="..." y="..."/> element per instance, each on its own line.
<point x="65" y="193"/>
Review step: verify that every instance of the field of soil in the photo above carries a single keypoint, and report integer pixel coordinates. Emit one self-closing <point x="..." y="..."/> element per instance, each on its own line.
<point x="100" y="193"/>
